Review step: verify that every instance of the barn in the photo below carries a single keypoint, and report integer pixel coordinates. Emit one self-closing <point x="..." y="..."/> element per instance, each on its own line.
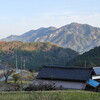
<point x="68" y="78"/>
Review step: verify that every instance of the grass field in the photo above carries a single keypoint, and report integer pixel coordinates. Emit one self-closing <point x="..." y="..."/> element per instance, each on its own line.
<point x="52" y="95"/>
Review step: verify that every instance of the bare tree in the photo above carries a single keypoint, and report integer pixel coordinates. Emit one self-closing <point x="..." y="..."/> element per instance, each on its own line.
<point x="8" y="71"/>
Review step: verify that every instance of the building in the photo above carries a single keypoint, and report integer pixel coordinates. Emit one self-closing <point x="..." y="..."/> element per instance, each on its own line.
<point x="68" y="78"/>
<point x="97" y="74"/>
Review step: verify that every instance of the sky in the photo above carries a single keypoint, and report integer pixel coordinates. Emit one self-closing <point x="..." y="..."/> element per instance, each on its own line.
<point x="20" y="16"/>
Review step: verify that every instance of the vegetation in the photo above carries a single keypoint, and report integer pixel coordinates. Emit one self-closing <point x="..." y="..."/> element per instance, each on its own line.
<point x="54" y="95"/>
<point x="88" y="59"/>
<point x="7" y="73"/>
<point x="16" y="77"/>
<point x="42" y="87"/>
<point x="34" y="55"/>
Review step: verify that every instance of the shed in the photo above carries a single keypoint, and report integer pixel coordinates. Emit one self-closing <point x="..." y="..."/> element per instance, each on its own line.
<point x="66" y="77"/>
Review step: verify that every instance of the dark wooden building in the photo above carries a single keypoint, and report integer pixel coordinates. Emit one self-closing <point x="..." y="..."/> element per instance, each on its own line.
<point x="68" y="78"/>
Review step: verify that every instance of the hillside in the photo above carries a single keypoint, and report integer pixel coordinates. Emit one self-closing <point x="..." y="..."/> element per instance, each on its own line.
<point x="88" y="59"/>
<point x="34" y="55"/>
<point x="79" y="37"/>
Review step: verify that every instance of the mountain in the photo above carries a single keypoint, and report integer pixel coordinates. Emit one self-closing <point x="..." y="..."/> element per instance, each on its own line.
<point x="87" y="59"/>
<point x="34" y="55"/>
<point x="31" y="35"/>
<point x="79" y="37"/>
<point x="11" y="38"/>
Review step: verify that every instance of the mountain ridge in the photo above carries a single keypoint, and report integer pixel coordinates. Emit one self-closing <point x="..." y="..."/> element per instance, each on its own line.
<point x="79" y="37"/>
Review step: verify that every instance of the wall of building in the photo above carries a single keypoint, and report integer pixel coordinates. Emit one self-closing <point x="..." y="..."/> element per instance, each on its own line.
<point x="64" y="84"/>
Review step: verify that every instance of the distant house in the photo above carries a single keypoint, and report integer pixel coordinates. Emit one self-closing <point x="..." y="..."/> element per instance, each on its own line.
<point x="97" y="74"/>
<point x="68" y="78"/>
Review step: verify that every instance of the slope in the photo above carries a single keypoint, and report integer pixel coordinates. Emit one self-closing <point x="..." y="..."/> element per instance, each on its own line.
<point x="88" y="59"/>
<point x="34" y="55"/>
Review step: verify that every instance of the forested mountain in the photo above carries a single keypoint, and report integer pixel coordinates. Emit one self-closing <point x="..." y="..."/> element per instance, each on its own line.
<point x="79" y="37"/>
<point x="88" y="59"/>
<point x="34" y="55"/>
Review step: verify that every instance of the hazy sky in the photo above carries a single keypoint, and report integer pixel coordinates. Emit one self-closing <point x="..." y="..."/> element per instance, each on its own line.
<point x="19" y="16"/>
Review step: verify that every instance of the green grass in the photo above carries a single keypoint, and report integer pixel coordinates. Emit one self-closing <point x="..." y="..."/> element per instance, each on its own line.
<point x="52" y="95"/>
<point x="20" y="82"/>
<point x="1" y="83"/>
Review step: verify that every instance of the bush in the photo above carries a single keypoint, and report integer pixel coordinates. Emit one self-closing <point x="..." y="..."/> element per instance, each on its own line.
<point x="16" y="77"/>
<point x="42" y="87"/>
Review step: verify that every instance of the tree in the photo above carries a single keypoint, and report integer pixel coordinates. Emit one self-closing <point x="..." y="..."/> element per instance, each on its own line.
<point x="7" y="73"/>
<point x="31" y="72"/>
<point x="16" y="77"/>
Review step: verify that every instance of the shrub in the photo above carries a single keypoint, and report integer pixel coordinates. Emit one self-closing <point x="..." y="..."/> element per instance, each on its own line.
<point x="42" y="87"/>
<point x="16" y="77"/>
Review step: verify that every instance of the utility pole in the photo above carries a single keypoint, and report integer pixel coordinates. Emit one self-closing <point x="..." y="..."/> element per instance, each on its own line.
<point x="85" y="63"/>
<point x="16" y="64"/>
<point x="21" y="69"/>
<point x="24" y="64"/>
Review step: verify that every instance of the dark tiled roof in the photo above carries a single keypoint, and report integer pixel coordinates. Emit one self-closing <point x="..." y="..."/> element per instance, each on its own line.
<point x="65" y="73"/>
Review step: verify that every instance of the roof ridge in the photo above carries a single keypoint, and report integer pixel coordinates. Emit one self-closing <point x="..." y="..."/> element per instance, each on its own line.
<point x="65" y="67"/>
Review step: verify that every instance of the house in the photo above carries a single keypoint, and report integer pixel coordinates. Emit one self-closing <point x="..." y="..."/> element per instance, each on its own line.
<point x="68" y="78"/>
<point x="97" y="74"/>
